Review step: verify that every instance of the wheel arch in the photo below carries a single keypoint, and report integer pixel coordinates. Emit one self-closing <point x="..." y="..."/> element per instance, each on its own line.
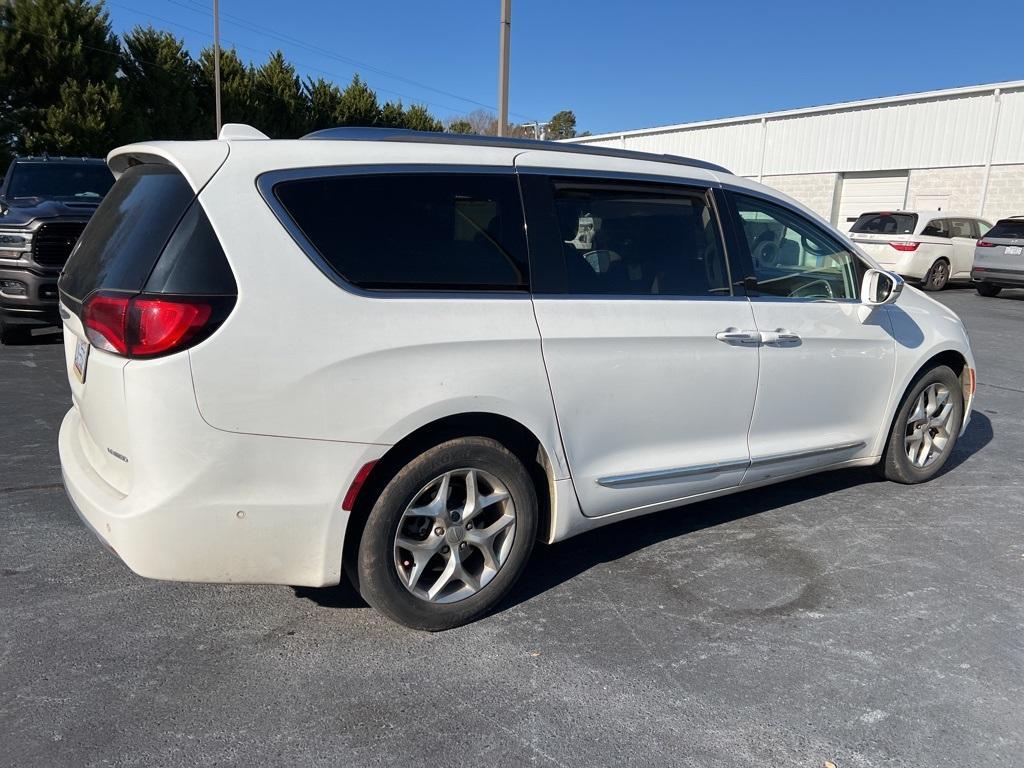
<point x="953" y="358"/>
<point x="512" y="434"/>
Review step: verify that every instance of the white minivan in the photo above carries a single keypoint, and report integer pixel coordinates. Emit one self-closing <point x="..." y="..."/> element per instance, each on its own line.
<point x="930" y="247"/>
<point x="409" y="356"/>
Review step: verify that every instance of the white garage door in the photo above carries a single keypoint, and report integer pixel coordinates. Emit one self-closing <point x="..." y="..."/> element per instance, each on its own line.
<point x="863" y="192"/>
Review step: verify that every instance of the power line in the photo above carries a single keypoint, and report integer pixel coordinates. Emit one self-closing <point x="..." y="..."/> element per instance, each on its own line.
<point x="198" y="7"/>
<point x="261" y="52"/>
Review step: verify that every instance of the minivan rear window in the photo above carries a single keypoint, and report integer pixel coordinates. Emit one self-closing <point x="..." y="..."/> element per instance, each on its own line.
<point x="1012" y="229"/>
<point x="428" y="231"/>
<point x="124" y="237"/>
<point x="149" y="234"/>
<point x="885" y="223"/>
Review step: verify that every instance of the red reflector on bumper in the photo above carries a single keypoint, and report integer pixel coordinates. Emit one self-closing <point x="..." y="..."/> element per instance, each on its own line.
<point x="357" y="485"/>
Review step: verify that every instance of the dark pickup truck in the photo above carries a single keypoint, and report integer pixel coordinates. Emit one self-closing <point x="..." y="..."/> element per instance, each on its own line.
<point x="45" y="203"/>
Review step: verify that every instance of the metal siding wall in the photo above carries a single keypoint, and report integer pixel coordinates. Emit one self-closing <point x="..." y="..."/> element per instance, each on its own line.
<point x="736" y="146"/>
<point x="1009" y="146"/>
<point x="941" y="131"/>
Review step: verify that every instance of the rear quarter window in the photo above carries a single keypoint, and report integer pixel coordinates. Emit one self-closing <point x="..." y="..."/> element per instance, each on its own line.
<point x="413" y="231"/>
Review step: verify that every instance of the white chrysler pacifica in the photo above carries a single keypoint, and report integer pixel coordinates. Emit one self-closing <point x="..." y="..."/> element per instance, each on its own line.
<point x="409" y="356"/>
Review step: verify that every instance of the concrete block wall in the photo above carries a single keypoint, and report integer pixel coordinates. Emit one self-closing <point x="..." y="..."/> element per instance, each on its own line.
<point x="963" y="185"/>
<point x="815" y="190"/>
<point x="1005" y="192"/>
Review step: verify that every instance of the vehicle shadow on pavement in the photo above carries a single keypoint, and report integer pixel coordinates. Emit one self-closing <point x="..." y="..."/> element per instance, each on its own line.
<point x="554" y="564"/>
<point x="38" y="337"/>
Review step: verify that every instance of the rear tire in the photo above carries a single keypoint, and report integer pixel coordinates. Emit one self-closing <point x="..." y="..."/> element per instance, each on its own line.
<point x="923" y="433"/>
<point x="987" y="289"/>
<point x="460" y="558"/>
<point x="937" y="276"/>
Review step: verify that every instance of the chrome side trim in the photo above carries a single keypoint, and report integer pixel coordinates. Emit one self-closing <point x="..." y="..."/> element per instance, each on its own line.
<point x="656" y="475"/>
<point x="653" y="476"/>
<point x="777" y="457"/>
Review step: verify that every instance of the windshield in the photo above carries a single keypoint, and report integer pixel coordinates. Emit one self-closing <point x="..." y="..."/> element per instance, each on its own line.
<point x="885" y="223"/>
<point x="88" y="182"/>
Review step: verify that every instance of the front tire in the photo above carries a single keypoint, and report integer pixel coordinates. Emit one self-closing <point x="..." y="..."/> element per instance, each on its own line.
<point x="937" y="276"/>
<point x="449" y="535"/>
<point x="925" y="429"/>
<point x="987" y="289"/>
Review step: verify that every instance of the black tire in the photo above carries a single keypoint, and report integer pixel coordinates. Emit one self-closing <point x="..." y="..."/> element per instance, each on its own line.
<point x="987" y="289"/>
<point x="378" y="578"/>
<point x="937" y="277"/>
<point x="896" y="464"/>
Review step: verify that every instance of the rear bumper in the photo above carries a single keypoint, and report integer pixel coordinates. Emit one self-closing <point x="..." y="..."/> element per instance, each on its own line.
<point x="39" y="304"/>
<point x="1000" y="277"/>
<point x="251" y="509"/>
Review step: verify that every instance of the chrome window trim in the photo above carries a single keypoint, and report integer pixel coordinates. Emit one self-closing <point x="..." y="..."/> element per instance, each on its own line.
<point x="656" y="475"/>
<point x="265" y="186"/>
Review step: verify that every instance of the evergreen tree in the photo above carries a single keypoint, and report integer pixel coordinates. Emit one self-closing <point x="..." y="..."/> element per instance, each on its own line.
<point x="417" y="118"/>
<point x="358" y="105"/>
<point x="160" y="84"/>
<point x="562" y="125"/>
<point x="323" y="100"/>
<point x="237" y="95"/>
<point x="281" y="110"/>
<point x="51" y="51"/>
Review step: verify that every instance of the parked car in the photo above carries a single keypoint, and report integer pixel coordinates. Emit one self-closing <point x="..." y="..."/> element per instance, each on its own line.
<point x="933" y="247"/>
<point x="45" y="203"/>
<point x="272" y="382"/>
<point x="998" y="259"/>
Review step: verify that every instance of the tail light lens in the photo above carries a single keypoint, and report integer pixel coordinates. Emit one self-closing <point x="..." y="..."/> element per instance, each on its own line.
<point x="904" y="246"/>
<point x="986" y="244"/>
<point x="152" y="325"/>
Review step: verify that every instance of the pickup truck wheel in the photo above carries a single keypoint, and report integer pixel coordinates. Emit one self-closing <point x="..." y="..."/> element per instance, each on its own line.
<point x="987" y="289"/>
<point x="937" y="276"/>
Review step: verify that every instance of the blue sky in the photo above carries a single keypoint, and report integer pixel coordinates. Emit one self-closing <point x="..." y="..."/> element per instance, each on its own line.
<point x="621" y="64"/>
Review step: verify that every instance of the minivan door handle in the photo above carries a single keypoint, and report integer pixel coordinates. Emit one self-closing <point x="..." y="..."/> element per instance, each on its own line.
<point x="780" y="337"/>
<point x="736" y="336"/>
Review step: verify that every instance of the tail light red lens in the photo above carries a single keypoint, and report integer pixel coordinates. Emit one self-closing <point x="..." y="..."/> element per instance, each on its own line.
<point x="162" y="326"/>
<point x="151" y="325"/>
<point x="986" y="244"/>
<point x="904" y="246"/>
<point x="106" y="323"/>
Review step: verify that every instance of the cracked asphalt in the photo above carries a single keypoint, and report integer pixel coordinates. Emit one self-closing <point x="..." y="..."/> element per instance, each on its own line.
<point x="836" y="618"/>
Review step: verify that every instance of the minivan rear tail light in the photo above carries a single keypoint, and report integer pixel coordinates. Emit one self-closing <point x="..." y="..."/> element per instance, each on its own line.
<point x="162" y="325"/>
<point x="986" y="244"/>
<point x="106" y="320"/>
<point x="904" y="246"/>
<point x="151" y="325"/>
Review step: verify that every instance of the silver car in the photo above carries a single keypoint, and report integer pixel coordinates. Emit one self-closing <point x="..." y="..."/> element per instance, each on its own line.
<point x="999" y="257"/>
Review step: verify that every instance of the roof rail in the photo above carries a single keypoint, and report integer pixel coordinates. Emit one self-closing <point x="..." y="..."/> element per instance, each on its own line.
<point x="475" y="140"/>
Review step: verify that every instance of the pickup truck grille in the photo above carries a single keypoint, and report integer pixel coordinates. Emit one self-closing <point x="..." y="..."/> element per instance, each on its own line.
<point x="52" y="243"/>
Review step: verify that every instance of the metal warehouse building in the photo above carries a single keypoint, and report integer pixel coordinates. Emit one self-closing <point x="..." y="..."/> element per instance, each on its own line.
<point x="959" y="150"/>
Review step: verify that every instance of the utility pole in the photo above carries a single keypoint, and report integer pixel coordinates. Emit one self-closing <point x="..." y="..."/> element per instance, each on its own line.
<point x="506" y="28"/>
<point x="216" y="63"/>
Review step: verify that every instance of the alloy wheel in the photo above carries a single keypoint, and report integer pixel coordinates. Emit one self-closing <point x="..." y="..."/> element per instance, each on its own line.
<point x="928" y="425"/>
<point x="455" y="536"/>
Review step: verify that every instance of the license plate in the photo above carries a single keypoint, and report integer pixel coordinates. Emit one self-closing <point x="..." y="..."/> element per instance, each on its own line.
<point x="1013" y="250"/>
<point x="81" y="359"/>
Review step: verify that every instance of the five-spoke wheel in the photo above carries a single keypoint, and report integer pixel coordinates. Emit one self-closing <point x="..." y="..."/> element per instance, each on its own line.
<point x="455" y="535"/>
<point x="449" y="534"/>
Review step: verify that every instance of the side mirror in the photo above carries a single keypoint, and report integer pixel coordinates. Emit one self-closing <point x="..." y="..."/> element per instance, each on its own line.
<point x="880" y="288"/>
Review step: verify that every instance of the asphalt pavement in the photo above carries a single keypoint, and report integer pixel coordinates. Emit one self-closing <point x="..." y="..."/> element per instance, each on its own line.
<point x="837" y="618"/>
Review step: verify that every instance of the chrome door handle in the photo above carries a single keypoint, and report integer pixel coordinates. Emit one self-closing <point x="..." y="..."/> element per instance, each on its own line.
<point x="781" y="336"/>
<point x="736" y="336"/>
